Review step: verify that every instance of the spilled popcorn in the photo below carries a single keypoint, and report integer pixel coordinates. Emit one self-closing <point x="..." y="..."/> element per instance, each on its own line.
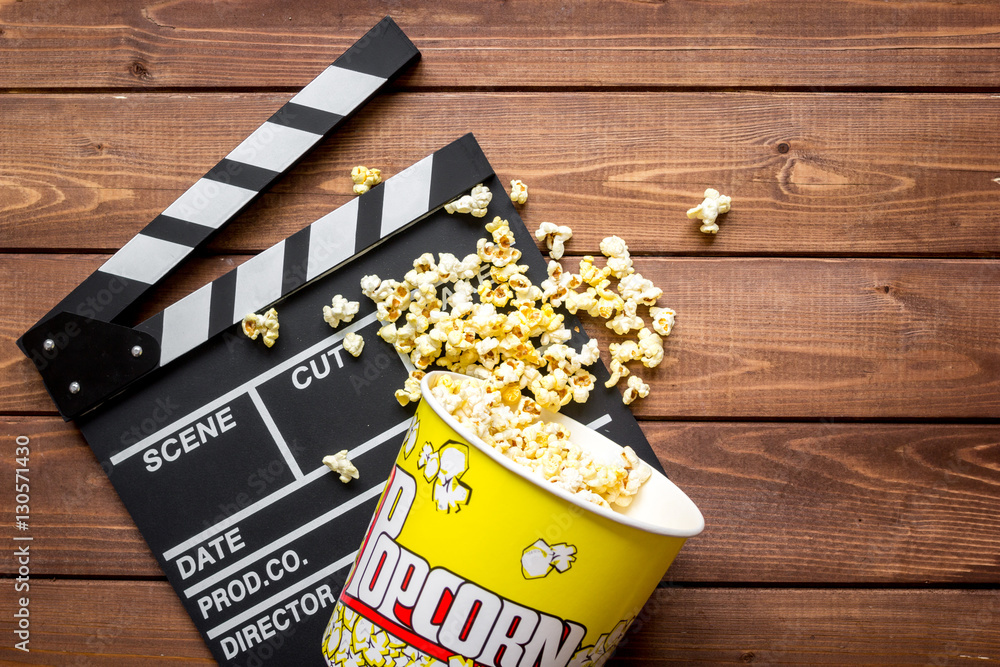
<point x="512" y="424"/>
<point x="709" y="210"/>
<point x="410" y="393"/>
<point x="506" y="328"/>
<point x="354" y="343"/>
<point x="340" y="310"/>
<point x="340" y="464"/>
<point x="663" y="320"/>
<point x="254" y="325"/>
<point x="555" y="237"/>
<point x="365" y="179"/>
<point x="636" y="388"/>
<point x="475" y="202"/>
<point x="518" y="191"/>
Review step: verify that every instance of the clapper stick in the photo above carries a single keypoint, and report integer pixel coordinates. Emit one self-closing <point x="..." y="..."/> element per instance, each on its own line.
<point x="319" y="248"/>
<point x="82" y="354"/>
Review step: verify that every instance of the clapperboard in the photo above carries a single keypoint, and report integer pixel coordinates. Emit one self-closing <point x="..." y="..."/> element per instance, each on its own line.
<point x="213" y="441"/>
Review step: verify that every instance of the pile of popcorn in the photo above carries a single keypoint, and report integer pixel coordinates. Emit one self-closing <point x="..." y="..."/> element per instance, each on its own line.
<point x="505" y="335"/>
<point x="511" y="335"/>
<point x="512" y="425"/>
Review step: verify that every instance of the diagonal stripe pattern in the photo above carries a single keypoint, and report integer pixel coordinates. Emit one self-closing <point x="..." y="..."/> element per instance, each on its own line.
<point x="250" y="168"/>
<point x="323" y="246"/>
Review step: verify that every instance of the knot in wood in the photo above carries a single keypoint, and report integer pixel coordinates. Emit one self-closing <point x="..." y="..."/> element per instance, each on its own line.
<point x="139" y="70"/>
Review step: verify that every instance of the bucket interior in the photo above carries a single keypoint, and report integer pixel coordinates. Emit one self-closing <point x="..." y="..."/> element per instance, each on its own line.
<point x="659" y="507"/>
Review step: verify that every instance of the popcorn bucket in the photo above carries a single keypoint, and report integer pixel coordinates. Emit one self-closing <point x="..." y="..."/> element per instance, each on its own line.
<point x="471" y="560"/>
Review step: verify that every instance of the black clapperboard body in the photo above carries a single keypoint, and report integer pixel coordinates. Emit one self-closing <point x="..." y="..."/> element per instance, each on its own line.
<point x="213" y="441"/>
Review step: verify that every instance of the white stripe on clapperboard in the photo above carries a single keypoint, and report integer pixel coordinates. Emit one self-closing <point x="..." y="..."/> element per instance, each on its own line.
<point x="238" y="391"/>
<point x="286" y="539"/>
<point x="291" y="590"/>
<point x="282" y="492"/>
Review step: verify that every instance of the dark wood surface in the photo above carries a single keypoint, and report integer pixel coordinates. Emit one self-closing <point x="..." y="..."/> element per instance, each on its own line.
<point x="830" y="396"/>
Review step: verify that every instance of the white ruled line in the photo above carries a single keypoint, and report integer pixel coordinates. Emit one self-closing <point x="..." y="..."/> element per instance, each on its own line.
<point x="240" y="390"/>
<point x="272" y="428"/>
<point x="291" y="590"/>
<point x="234" y="519"/>
<point x="284" y="491"/>
<point x="286" y="539"/>
<point x="368" y="445"/>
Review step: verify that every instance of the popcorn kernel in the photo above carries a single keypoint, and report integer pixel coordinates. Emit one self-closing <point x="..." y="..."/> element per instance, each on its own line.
<point x="710" y="209"/>
<point x="518" y="191"/>
<point x="340" y="310"/>
<point x="475" y="202"/>
<point x="340" y="464"/>
<point x="254" y="325"/>
<point x="365" y="178"/>
<point x="354" y="343"/>
<point x="555" y="237"/>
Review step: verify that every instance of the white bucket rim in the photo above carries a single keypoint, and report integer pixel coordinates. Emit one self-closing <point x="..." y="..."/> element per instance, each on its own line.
<point x="688" y="519"/>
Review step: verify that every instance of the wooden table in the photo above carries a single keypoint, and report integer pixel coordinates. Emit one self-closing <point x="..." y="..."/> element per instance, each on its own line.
<point x="830" y="395"/>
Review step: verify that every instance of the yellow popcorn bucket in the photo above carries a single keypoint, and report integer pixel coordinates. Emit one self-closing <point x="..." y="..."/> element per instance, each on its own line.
<point x="472" y="560"/>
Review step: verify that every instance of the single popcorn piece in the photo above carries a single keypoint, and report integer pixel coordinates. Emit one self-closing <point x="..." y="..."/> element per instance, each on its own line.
<point x="369" y="285"/>
<point x="340" y="310"/>
<point x="626" y="320"/>
<point x="354" y="343"/>
<point x="365" y="179"/>
<point x="641" y="290"/>
<point x="619" y="260"/>
<point x="254" y="325"/>
<point x="636" y="389"/>
<point x="650" y="348"/>
<point x="559" y="283"/>
<point x="410" y="393"/>
<point x="621" y="353"/>
<point x="608" y="303"/>
<point x="391" y="299"/>
<point x="475" y="202"/>
<point x="663" y="320"/>
<point x="340" y="464"/>
<point x="555" y="237"/>
<point x="710" y="209"/>
<point x="590" y="274"/>
<point x="518" y="191"/>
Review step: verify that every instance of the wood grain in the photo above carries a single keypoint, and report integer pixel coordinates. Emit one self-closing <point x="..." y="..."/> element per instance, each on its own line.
<point x="834" y="503"/>
<point x="142" y="623"/>
<point x="184" y="43"/>
<point x="103" y="623"/>
<point x="847" y="174"/>
<point x="814" y="627"/>
<point x="755" y="338"/>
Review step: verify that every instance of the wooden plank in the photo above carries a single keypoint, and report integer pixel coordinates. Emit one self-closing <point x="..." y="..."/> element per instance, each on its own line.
<point x="142" y="623"/>
<point x="755" y="338"/>
<point x="815" y="627"/>
<point x="519" y="44"/>
<point x="834" y="503"/>
<point x="848" y="174"/>
<point x="102" y="623"/>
